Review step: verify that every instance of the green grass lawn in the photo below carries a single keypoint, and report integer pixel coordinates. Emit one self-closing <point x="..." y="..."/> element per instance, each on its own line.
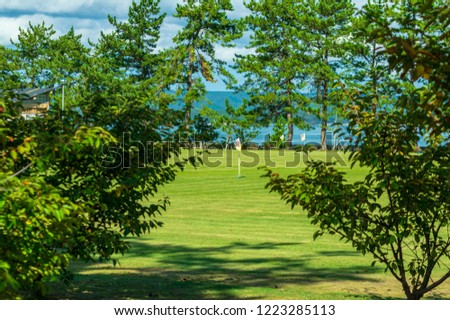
<point x="229" y="238"/>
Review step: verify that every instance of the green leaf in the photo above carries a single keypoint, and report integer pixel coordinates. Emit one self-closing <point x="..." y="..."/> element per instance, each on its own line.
<point x="13" y="154"/>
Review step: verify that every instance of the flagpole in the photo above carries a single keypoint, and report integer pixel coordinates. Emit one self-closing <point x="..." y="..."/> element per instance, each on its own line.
<point x="239" y="163"/>
<point x="238" y="146"/>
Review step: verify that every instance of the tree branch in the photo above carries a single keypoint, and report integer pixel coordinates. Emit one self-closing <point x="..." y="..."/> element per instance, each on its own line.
<point x="437" y="283"/>
<point x="18" y="172"/>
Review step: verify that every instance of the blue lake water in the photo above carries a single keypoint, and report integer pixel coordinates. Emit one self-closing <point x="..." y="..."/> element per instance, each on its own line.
<point x="310" y="136"/>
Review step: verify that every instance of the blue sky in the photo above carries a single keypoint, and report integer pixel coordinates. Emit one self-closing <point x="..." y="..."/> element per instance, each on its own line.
<point x="89" y="17"/>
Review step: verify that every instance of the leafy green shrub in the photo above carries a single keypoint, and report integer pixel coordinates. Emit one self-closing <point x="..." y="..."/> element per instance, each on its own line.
<point x="36" y="225"/>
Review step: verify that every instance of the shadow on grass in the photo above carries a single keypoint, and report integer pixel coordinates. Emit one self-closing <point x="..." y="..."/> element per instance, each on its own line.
<point x="235" y="271"/>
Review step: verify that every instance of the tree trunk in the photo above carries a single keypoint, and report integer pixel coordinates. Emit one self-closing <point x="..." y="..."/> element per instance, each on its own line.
<point x="290" y="134"/>
<point x="187" y="115"/>
<point x="410" y="295"/>
<point x="324" y="115"/>
<point x="323" y="131"/>
<point x="414" y="296"/>
<point x="376" y="102"/>
<point x="190" y="85"/>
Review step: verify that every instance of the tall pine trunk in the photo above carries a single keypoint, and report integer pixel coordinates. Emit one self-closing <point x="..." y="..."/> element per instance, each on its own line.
<point x="323" y="131"/>
<point x="290" y="134"/>
<point x="324" y="113"/>
<point x="190" y="84"/>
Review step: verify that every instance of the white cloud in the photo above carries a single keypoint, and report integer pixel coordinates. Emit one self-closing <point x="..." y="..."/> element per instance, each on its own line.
<point x="89" y="28"/>
<point x="168" y="31"/>
<point x="227" y="54"/>
<point x="359" y="3"/>
<point x="240" y="10"/>
<point x="82" y="8"/>
<point x="169" y="6"/>
<point x="10" y="25"/>
<point x="10" y="28"/>
<point x="54" y="6"/>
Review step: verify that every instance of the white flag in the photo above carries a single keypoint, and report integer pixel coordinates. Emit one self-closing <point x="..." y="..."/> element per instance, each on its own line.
<point x="238" y="144"/>
<point x="303" y="137"/>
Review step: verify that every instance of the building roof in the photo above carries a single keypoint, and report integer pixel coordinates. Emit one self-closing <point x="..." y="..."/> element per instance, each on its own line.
<point x="33" y="92"/>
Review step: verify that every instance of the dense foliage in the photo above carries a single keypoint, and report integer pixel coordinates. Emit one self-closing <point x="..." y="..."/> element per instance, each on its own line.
<point x="400" y="212"/>
<point x="76" y="182"/>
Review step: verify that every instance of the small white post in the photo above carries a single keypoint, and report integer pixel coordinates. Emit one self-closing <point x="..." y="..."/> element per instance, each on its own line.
<point x="238" y="146"/>
<point x="239" y="164"/>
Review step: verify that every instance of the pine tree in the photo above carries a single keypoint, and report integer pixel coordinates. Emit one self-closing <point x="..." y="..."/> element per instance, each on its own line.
<point x="325" y="27"/>
<point x="365" y="62"/>
<point x="9" y="77"/>
<point x="33" y="53"/>
<point x="43" y="60"/>
<point x="68" y="55"/>
<point x="274" y="73"/>
<point x="132" y="45"/>
<point x="193" y="59"/>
